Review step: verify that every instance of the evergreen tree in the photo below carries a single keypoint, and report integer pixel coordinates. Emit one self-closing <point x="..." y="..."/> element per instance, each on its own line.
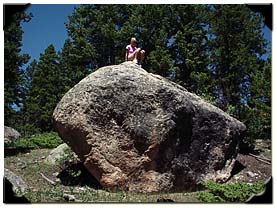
<point x="236" y="45"/>
<point x="257" y="113"/>
<point x="151" y="25"/>
<point x="241" y="77"/>
<point x="29" y="72"/>
<point x="46" y="89"/>
<point x="13" y="63"/>
<point x="72" y="70"/>
<point x="189" y="47"/>
<point x="172" y="36"/>
<point x="93" y="31"/>
<point x="24" y="124"/>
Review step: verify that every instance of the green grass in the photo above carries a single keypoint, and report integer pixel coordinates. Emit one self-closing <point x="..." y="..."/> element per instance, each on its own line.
<point x="236" y="192"/>
<point x="88" y="194"/>
<point x="30" y="166"/>
<point x="44" y="140"/>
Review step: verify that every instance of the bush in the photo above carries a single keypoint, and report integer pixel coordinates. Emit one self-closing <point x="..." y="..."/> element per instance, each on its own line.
<point x="44" y="140"/>
<point x="237" y="192"/>
<point x="67" y="157"/>
<point x="258" y="123"/>
<point x="208" y="197"/>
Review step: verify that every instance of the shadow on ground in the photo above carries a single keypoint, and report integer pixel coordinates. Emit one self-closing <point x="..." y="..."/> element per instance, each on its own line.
<point x="77" y="174"/>
<point x="11" y="151"/>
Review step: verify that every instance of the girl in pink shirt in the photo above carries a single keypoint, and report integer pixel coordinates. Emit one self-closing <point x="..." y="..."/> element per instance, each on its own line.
<point x="133" y="53"/>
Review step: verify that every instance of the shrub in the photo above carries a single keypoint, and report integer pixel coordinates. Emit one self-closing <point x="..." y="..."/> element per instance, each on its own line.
<point x="258" y="123"/>
<point x="208" y="197"/>
<point x="67" y="157"/>
<point x="237" y="192"/>
<point x="44" y="140"/>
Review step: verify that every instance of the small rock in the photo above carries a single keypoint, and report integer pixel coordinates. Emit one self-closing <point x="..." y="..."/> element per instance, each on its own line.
<point x="56" y="174"/>
<point x="57" y="180"/>
<point x="257" y="176"/>
<point x="69" y="197"/>
<point x="80" y="188"/>
<point x="57" y="154"/>
<point x="43" y="157"/>
<point x="251" y="174"/>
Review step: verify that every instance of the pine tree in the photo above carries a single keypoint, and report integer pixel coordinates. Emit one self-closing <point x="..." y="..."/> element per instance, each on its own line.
<point x="236" y="46"/>
<point x="28" y="74"/>
<point x="24" y="124"/>
<point x="93" y="31"/>
<point x="151" y="25"/>
<point x="172" y="36"/>
<point x="241" y="76"/>
<point x="73" y="66"/>
<point x="13" y="63"/>
<point x="46" y="89"/>
<point x="189" y="47"/>
<point x="257" y="114"/>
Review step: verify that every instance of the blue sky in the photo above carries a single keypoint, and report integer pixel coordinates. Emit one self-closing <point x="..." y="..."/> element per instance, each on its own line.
<point x="47" y="27"/>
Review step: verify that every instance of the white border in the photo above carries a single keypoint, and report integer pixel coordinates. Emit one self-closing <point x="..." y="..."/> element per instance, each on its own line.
<point x="138" y="2"/>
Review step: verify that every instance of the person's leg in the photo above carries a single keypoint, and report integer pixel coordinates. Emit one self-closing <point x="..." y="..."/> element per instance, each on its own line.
<point x="131" y="57"/>
<point x="142" y="52"/>
<point x="136" y="53"/>
<point x="136" y="56"/>
<point x="140" y="55"/>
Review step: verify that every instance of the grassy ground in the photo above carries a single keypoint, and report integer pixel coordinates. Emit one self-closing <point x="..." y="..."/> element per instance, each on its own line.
<point x="50" y="183"/>
<point x="31" y="165"/>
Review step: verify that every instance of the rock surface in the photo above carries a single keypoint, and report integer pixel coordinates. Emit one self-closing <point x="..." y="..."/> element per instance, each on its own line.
<point x="62" y="152"/>
<point x="9" y="196"/>
<point x="10" y="134"/>
<point x="18" y="185"/>
<point x="69" y="197"/>
<point x="140" y="132"/>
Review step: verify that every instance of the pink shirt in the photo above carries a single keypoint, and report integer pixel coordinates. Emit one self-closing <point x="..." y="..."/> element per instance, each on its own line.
<point x="130" y="49"/>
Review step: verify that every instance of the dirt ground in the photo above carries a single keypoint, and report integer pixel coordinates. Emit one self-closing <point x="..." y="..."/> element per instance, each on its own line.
<point x="29" y="165"/>
<point x="256" y="166"/>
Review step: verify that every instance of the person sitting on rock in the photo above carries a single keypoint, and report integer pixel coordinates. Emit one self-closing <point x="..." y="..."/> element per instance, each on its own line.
<point x="133" y="53"/>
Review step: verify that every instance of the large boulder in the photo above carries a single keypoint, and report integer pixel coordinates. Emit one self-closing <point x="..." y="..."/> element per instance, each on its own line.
<point x="19" y="186"/>
<point x="140" y="132"/>
<point x="10" y="134"/>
